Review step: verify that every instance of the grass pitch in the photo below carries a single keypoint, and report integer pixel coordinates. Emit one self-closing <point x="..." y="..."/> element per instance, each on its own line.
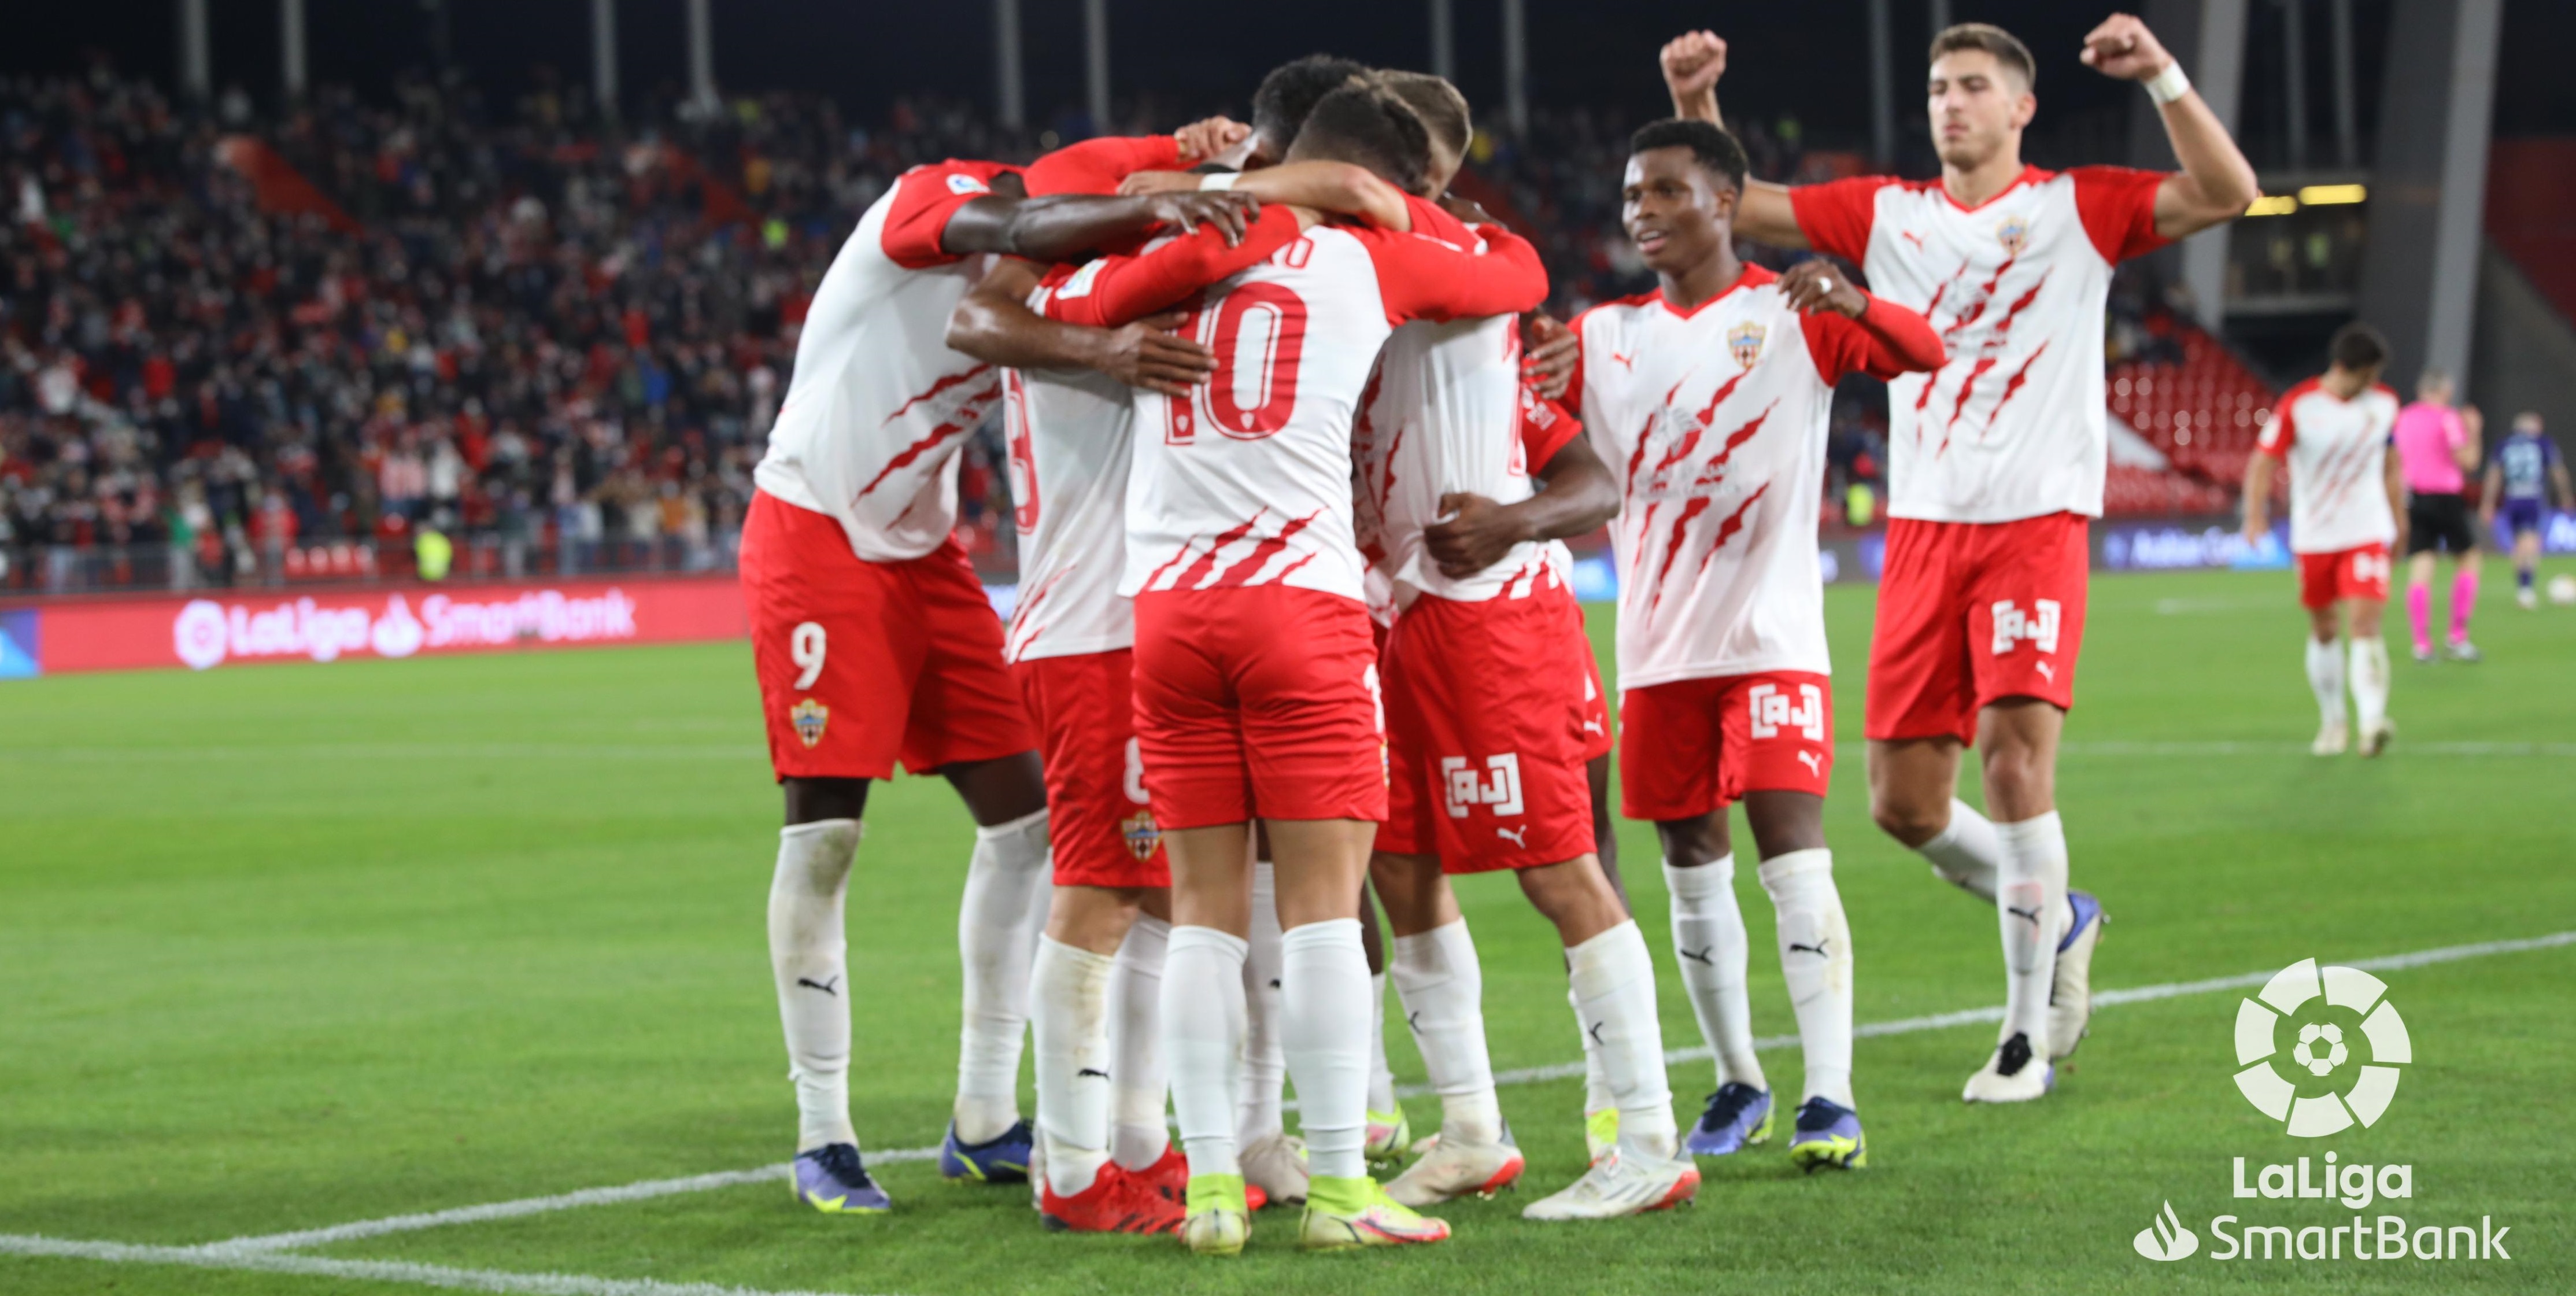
<point x="287" y="947"/>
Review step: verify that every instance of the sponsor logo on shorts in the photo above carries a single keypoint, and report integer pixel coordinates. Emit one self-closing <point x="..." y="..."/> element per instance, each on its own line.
<point x="1141" y="833"/>
<point x="809" y="717"/>
<point x="2012" y="625"/>
<point x="1772" y="711"/>
<point x="1497" y="784"/>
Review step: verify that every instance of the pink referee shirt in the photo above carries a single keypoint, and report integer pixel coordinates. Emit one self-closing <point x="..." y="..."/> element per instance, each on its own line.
<point x="2427" y="437"/>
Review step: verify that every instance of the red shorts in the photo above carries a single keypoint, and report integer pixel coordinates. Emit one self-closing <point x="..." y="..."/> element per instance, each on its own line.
<point x="2357" y="573"/>
<point x="1097" y="812"/>
<point x="1484" y="733"/>
<point x="1259" y="701"/>
<point x="1971" y="613"/>
<point x="862" y="663"/>
<point x="1698" y="745"/>
<point x="1599" y="740"/>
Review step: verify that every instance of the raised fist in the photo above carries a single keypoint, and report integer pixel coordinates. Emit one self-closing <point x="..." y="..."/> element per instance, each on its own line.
<point x="1693" y="61"/>
<point x="2122" y="47"/>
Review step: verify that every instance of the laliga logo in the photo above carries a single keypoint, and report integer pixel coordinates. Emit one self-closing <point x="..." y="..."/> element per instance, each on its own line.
<point x="2319" y="1050"/>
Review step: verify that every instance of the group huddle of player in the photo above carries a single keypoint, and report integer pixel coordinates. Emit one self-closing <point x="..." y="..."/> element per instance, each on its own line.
<point x="1293" y="457"/>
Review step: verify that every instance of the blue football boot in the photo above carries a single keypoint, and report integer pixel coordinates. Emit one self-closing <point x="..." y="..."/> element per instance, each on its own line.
<point x="1828" y="1136"/>
<point x="1001" y="1160"/>
<point x="1738" y="1116"/>
<point x="831" y="1180"/>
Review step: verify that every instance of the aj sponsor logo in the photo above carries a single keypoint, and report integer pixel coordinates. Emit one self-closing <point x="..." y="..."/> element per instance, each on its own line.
<point x="2320" y="1049"/>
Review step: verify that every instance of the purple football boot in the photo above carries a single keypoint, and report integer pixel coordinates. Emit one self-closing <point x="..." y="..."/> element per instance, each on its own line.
<point x="1738" y="1116"/>
<point x="831" y="1180"/>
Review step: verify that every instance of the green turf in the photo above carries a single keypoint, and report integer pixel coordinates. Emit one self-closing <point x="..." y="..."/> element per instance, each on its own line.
<point x="289" y="946"/>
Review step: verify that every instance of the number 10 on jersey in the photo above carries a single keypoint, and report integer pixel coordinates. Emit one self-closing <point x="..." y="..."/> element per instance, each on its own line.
<point x="1259" y="336"/>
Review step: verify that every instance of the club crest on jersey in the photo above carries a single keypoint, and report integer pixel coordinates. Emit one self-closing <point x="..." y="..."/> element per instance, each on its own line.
<point x="1142" y="834"/>
<point x="2014" y="234"/>
<point x="809" y="717"/>
<point x="1745" y="340"/>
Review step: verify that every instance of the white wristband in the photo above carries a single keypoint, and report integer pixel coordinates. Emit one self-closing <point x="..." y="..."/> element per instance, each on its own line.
<point x="2168" y="85"/>
<point x="1219" y="180"/>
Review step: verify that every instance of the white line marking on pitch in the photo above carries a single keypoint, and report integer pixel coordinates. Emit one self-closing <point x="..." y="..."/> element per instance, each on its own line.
<point x="1518" y="1076"/>
<point x="384" y="1271"/>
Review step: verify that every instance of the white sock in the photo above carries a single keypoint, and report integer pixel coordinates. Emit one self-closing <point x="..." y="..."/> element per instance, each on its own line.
<point x="1381" y="1078"/>
<point x="1966" y="854"/>
<point x="998" y="921"/>
<point x="1614" y="989"/>
<point x="1816" y="961"/>
<point x="1071" y="1032"/>
<point x="810" y="964"/>
<point x="2325" y="677"/>
<point x="1203" y="1040"/>
<point x="1596" y="1080"/>
<point x="2031" y="910"/>
<point x="1265" y="1067"/>
<point x="1443" y="988"/>
<point x="1710" y="944"/>
<point x="1324" y="1026"/>
<point x="2369" y="680"/>
<point x="1138" y="1135"/>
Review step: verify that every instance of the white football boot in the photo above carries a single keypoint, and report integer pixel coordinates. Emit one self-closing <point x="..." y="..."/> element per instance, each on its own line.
<point x="1620" y="1184"/>
<point x="1451" y="1169"/>
<point x="2333" y="738"/>
<point x="1276" y="1163"/>
<point x="2013" y="1074"/>
<point x="2376" y="738"/>
<point x="2070" y="994"/>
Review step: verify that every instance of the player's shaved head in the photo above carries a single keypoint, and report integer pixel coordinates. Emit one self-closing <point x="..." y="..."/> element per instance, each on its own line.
<point x="1368" y="126"/>
<point x="1290" y="92"/>
<point x="2358" y="347"/>
<point x="1709" y="144"/>
<point x="1443" y="110"/>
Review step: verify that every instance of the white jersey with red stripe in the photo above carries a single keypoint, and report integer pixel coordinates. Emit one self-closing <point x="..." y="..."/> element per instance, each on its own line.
<point x="2337" y="451"/>
<point x="1444" y="414"/>
<point x="1714" y="423"/>
<point x="2013" y="426"/>
<point x="879" y="404"/>
<point x="1070" y="442"/>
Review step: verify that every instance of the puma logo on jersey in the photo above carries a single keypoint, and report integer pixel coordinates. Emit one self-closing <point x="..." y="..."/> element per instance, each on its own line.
<point x="1625" y="361"/>
<point x="824" y="986"/>
<point x="1517" y="836"/>
<point x="1815" y="764"/>
<point x="1911" y="237"/>
<point x="2038" y="626"/>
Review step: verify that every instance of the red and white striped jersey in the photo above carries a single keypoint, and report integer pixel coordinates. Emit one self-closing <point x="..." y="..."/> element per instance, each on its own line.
<point x="1448" y="412"/>
<point x="1070" y="449"/>
<point x="2013" y="426"/>
<point x="2337" y="451"/>
<point x="1714" y="421"/>
<point x="879" y="404"/>
<point x="1248" y="480"/>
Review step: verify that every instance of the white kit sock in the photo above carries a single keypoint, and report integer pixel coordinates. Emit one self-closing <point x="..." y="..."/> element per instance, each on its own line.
<point x="2370" y="680"/>
<point x="1381" y="1077"/>
<point x="1966" y="854"/>
<point x="998" y="921"/>
<point x="810" y="964"/>
<point x="1203" y="1042"/>
<point x="2325" y="677"/>
<point x="1324" y="986"/>
<point x="1138" y="1133"/>
<point x="1816" y="961"/>
<point x="1071" y="1035"/>
<point x="1265" y="1068"/>
<point x="1443" y="987"/>
<point x="2031" y="911"/>
<point x="1614" y="989"/>
<point x="1714" y="953"/>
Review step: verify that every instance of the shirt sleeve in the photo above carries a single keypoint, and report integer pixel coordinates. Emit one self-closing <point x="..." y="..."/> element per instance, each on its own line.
<point x="1096" y="166"/>
<point x="924" y="199"/>
<point x="1117" y="289"/>
<point x="1573" y="398"/>
<point x="1836" y="216"/>
<point x="1423" y="278"/>
<point x="2118" y="207"/>
<point x="1887" y="340"/>
<point x="2280" y="432"/>
<point x="1545" y="428"/>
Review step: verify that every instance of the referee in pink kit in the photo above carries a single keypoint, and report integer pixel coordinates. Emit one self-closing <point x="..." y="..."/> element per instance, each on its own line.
<point x="2438" y="447"/>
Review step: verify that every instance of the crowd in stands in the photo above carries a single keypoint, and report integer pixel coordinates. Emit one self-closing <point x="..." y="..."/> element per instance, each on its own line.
<point x="557" y="339"/>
